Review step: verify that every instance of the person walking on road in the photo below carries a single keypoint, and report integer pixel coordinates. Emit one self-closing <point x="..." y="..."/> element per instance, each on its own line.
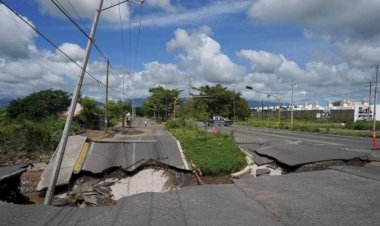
<point x="145" y="123"/>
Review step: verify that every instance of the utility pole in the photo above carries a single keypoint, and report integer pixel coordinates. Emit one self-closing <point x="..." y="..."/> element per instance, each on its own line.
<point x="123" y="88"/>
<point x="70" y="115"/>
<point x="106" y="107"/>
<point x="369" y="100"/>
<point x="374" y="141"/>
<point x="262" y="110"/>
<point x="235" y="106"/>
<point x="291" y="107"/>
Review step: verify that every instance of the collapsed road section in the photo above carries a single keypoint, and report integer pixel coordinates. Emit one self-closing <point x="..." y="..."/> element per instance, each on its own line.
<point x="128" y="152"/>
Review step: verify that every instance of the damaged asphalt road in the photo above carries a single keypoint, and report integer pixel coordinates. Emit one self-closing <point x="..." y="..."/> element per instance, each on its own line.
<point x="294" y="149"/>
<point x="339" y="195"/>
<point x="327" y="197"/>
<point x="132" y="151"/>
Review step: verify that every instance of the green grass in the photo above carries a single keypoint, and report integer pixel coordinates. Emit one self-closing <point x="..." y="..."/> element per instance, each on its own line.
<point x="357" y="129"/>
<point x="212" y="154"/>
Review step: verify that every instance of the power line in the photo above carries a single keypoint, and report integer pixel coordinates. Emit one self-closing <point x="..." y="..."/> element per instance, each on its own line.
<point x="72" y="7"/>
<point x="130" y="37"/>
<point x="49" y="41"/>
<point x="122" y="38"/>
<point x="67" y="14"/>
<point x="138" y="39"/>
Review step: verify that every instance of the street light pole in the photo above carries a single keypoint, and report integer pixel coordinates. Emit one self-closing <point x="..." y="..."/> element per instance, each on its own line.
<point x="374" y="140"/>
<point x="270" y="95"/>
<point x="279" y="107"/>
<point x="291" y="108"/>
<point x="106" y="104"/>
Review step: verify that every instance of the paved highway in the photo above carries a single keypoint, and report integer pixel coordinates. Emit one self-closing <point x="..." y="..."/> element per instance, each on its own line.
<point x="296" y="148"/>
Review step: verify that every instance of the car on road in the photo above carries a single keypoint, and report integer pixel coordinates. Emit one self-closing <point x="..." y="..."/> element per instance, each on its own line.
<point x="218" y="120"/>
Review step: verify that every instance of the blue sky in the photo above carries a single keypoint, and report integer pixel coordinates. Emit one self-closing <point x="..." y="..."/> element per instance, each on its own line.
<point x="264" y="43"/>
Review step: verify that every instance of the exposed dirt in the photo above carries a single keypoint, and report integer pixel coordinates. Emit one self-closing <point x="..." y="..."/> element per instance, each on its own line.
<point x="323" y="165"/>
<point x="179" y="179"/>
<point x="216" y="179"/>
<point x="22" y="157"/>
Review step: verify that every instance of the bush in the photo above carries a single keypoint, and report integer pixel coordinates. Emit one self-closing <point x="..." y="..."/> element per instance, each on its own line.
<point x="175" y="123"/>
<point x="26" y="135"/>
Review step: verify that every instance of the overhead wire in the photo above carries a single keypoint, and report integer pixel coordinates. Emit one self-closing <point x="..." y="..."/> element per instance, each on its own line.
<point x="73" y="8"/>
<point x="130" y="36"/>
<point x="49" y="41"/>
<point x="68" y="15"/>
<point x="138" y="39"/>
<point x="122" y="38"/>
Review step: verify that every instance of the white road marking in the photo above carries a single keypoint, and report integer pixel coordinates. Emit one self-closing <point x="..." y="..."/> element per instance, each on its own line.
<point x="287" y="137"/>
<point x="293" y="142"/>
<point x="183" y="156"/>
<point x="133" y="155"/>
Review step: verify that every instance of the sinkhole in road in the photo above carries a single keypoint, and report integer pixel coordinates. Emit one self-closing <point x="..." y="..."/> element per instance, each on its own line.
<point x="104" y="189"/>
<point x="91" y="190"/>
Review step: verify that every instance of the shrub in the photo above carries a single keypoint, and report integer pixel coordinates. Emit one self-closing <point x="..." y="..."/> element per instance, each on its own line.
<point x="175" y="123"/>
<point x="26" y="135"/>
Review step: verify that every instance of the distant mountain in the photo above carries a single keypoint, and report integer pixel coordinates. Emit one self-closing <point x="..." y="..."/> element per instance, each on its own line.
<point x="137" y="101"/>
<point x="5" y="101"/>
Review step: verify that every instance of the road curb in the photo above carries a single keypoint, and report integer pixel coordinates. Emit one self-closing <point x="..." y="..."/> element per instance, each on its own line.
<point x="185" y="163"/>
<point x="247" y="169"/>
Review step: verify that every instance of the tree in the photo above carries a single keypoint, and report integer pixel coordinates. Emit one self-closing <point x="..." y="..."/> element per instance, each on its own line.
<point x="39" y="105"/>
<point x="161" y="102"/>
<point x="220" y="101"/>
<point x="90" y="114"/>
<point x="118" y="110"/>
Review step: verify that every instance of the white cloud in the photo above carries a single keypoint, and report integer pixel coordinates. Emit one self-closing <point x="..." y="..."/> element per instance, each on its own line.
<point x="318" y="81"/>
<point x="74" y="51"/>
<point x="87" y="9"/>
<point x="357" y="18"/>
<point x="202" y="56"/>
<point x="158" y="73"/>
<point x="162" y="4"/>
<point x="16" y="38"/>
<point x="360" y="54"/>
<point x="194" y="16"/>
<point x="262" y="61"/>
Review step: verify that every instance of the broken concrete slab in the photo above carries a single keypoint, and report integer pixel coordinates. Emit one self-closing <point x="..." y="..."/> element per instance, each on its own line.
<point x="369" y="172"/>
<point x="261" y="172"/>
<point x="73" y="149"/>
<point x="295" y="154"/>
<point x="12" y="171"/>
<point x="260" y="160"/>
<point x="325" y="197"/>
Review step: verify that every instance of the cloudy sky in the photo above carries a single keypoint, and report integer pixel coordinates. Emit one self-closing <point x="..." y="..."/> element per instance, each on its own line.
<point x="328" y="48"/>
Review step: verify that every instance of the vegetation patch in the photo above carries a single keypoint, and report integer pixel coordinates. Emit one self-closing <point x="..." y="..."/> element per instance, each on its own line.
<point x="357" y="129"/>
<point x="212" y="154"/>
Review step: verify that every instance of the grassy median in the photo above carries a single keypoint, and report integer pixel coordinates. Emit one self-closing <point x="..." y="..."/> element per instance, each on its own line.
<point x="212" y="154"/>
<point x="356" y="129"/>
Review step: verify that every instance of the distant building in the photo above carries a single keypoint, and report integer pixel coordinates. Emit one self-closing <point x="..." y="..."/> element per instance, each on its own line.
<point x="344" y="110"/>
